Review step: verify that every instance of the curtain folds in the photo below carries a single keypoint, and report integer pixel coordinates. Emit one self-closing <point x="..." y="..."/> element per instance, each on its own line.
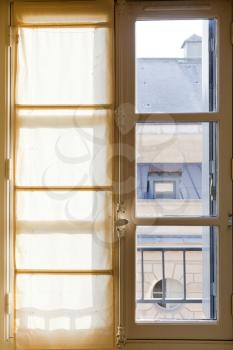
<point x="63" y="174"/>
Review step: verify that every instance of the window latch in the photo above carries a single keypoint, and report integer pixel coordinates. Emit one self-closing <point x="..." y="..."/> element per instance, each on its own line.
<point x="121" y="222"/>
<point x="121" y="227"/>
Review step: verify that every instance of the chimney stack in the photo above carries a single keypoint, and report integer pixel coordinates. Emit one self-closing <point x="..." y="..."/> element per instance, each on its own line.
<point x="192" y="47"/>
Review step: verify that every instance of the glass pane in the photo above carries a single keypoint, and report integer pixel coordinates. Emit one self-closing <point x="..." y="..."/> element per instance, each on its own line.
<point x="63" y="230"/>
<point x="176" y="172"/>
<point x="176" y="273"/>
<point x="175" y="66"/>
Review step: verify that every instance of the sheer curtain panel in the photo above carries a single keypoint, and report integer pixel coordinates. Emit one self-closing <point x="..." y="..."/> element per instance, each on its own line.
<point x="63" y="174"/>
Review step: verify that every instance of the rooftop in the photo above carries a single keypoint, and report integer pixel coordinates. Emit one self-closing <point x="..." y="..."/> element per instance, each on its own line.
<point x="192" y="39"/>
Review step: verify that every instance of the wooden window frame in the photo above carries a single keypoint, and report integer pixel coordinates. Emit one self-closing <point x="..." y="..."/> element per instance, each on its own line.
<point x="125" y="97"/>
<point x="167" y="335"/>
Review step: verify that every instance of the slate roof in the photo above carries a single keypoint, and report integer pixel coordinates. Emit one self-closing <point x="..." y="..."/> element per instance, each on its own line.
<point x="169" y="85"/>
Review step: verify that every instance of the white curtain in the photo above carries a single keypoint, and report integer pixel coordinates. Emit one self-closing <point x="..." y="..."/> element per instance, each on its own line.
<point x="64" y="66"/>
<point x="63" y="175"/>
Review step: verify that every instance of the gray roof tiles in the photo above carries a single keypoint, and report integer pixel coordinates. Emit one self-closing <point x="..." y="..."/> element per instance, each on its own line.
<point x="169" y="85"/>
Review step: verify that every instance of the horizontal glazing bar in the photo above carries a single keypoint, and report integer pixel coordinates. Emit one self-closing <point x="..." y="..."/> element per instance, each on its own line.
<point x="90" y="106"/>
<point x="70" y="122"/>
<point x="63" y="188"/>
<point x="63" y="272"/>
<point x="66" y="25"/>
<point x="66" y="227"/>
<point x="179" y="117"/>
<point x="179" y="7"/>
<point x="169" y="249"/>
<point x="169" y="301"/>
<point x="179" y="221"/>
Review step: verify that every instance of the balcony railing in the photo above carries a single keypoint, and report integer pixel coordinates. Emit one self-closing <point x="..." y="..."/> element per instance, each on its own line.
<point x="164" y="300"/>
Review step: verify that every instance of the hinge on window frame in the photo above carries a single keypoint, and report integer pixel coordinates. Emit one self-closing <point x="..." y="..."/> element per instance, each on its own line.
<point x="213" y="190"/>
<point x="212" y="45"/>
<point x="213" y="193"/>
<point x="13" y="36"/>
<point x="231" y="169"/>
<point x="9" y="314"/>
<point x="212" y="166"/>
<point x="213" y="289"/>
<point x="7" y="169"/>
<point x="232" y="305"/>
<point x="7" y="304"/>
<point x="232" y="33"/>
<point x="120" y="337"/>
<point x="10" y="37"/>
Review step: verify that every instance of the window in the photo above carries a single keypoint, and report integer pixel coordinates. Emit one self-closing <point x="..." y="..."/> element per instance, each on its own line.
<point x="116" y="205"/>
<point x="62" y="183"/>
<point x="182" y="156"/>
<point x="174" y="122"/>
<point x="176" y="73"/>
<point x="164" y="189"/>
<point x="163" y="289"/>
<point x="176" y="270"/>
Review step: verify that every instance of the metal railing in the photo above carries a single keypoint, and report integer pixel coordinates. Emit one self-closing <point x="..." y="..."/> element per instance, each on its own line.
<point x="164" y="299"/>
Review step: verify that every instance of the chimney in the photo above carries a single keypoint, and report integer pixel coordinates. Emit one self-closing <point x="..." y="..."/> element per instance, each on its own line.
<point x="192" y="47"/>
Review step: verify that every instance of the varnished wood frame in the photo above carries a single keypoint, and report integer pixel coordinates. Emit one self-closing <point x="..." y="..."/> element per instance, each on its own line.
<point x="126" y="15"/>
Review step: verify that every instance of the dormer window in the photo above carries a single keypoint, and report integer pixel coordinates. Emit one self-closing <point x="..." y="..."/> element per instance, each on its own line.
<point x="164" y="189"/>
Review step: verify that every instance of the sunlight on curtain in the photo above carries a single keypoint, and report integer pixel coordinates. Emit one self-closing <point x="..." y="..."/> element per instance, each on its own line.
<point x="63" y="147"/>
<point x="63" y="230"/>
<point x="63" y="175"/>
<point x="64" y="66"/>
<point x="64" y="312"/>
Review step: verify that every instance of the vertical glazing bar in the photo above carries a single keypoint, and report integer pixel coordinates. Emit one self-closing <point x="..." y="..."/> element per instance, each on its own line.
<point x="184" y="272"/>
<point x="212" y="257"/>
<point x="142" y="271"/>
<point x="163" y="274"/>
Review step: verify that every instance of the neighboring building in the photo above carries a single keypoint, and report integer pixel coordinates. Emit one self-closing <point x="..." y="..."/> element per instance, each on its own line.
<point x="192" y="46"/>
<point x="170" y="162"/>
<point x="169" y="84"/>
